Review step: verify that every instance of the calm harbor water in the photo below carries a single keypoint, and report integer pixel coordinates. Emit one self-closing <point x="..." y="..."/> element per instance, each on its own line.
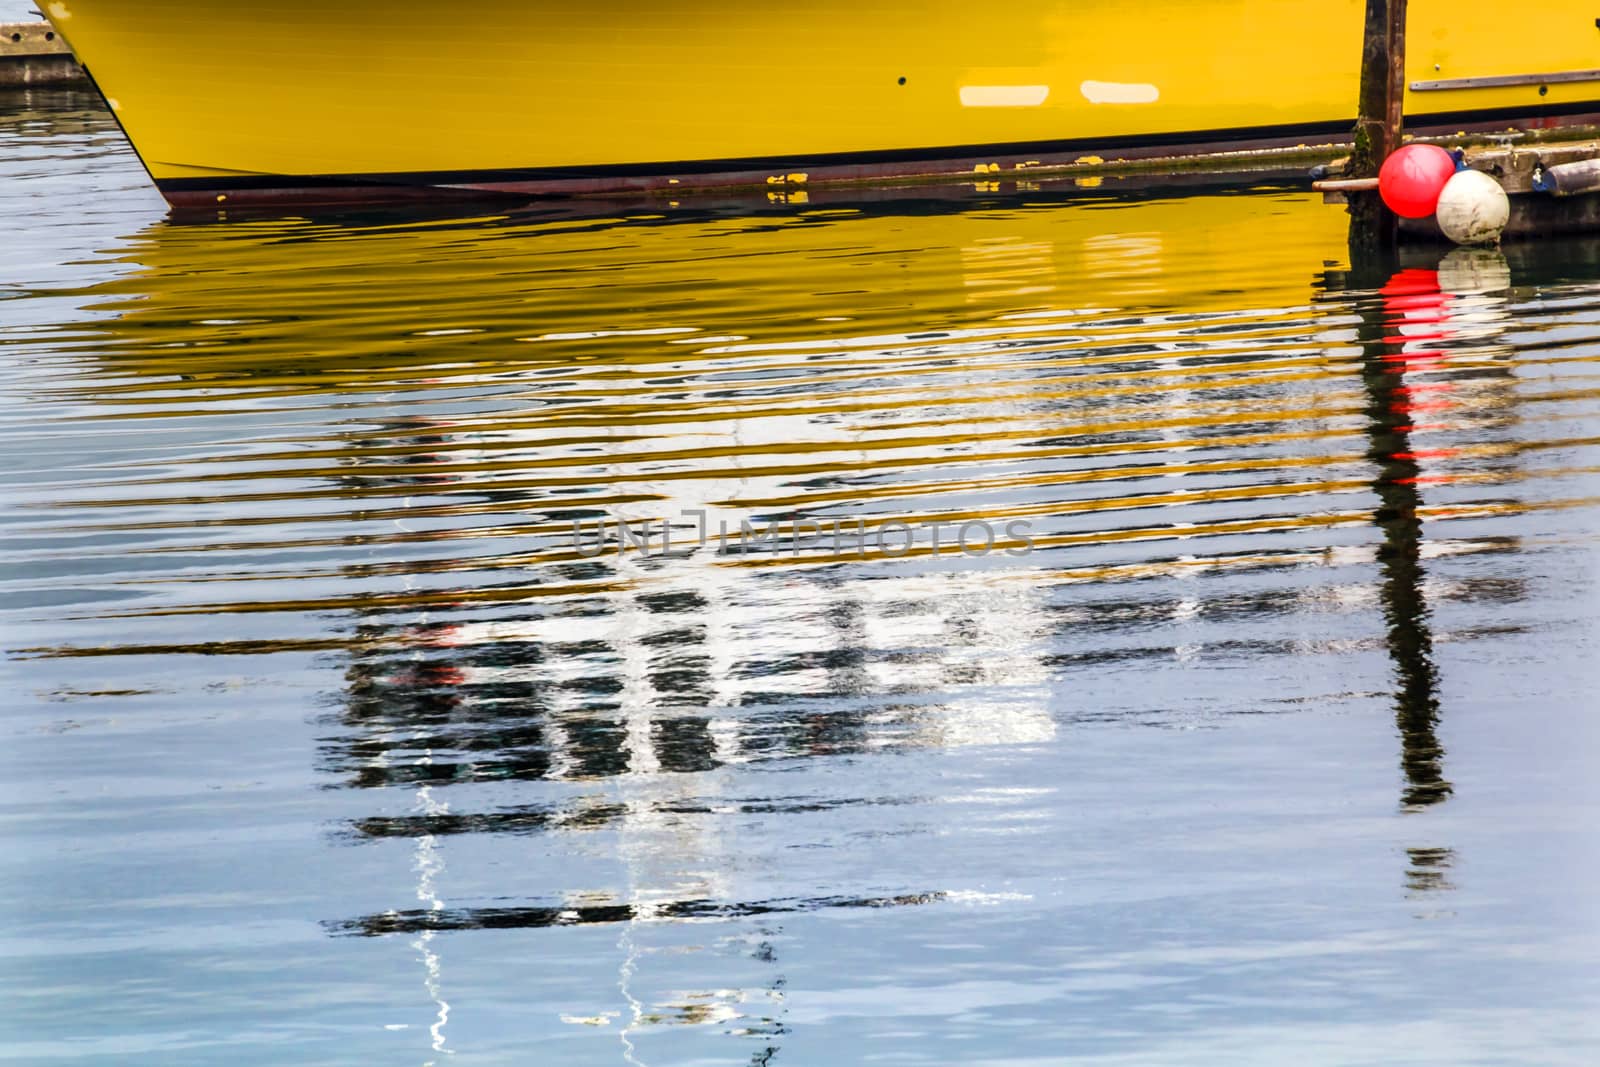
<point x="1265" y="728"/>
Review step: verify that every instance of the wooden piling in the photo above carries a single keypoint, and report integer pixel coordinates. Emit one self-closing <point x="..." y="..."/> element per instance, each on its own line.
<point x="1380" y="118"/>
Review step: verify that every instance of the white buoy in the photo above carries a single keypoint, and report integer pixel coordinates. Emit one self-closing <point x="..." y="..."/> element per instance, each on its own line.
<point x="1473" y="209"/>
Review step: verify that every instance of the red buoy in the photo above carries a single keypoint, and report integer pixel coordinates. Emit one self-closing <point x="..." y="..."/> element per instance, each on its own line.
<point x="1412" y="178"/>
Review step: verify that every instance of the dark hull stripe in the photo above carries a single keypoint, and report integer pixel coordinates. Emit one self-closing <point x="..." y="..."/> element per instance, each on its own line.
<point x="888" y="163"/>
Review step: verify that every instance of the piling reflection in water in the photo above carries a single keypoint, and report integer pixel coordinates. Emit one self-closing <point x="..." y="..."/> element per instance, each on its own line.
<point x="1432" y="349"/>
<point x="1413" y="297"/>
<point x="371" y="439"/>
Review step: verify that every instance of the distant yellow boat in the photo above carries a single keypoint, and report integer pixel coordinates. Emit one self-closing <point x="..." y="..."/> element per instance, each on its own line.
<point x="334" y="100"/>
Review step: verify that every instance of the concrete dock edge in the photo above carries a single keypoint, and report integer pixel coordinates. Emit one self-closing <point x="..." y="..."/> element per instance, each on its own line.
<point x="32" y="54"/>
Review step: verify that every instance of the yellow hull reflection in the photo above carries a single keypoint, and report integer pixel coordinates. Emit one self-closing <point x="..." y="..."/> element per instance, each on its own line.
<point x="900" y="359"/>
<point x="399" y="302"/>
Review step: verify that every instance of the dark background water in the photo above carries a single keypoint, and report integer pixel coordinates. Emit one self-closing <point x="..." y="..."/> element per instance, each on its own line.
<point x="328" y="742"/>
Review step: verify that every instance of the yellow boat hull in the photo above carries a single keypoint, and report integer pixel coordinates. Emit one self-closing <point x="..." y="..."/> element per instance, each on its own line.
<point x="338" y="99"/>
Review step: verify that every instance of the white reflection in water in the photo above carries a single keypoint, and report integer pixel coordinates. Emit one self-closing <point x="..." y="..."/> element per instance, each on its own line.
<point x="429" y="865"/>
